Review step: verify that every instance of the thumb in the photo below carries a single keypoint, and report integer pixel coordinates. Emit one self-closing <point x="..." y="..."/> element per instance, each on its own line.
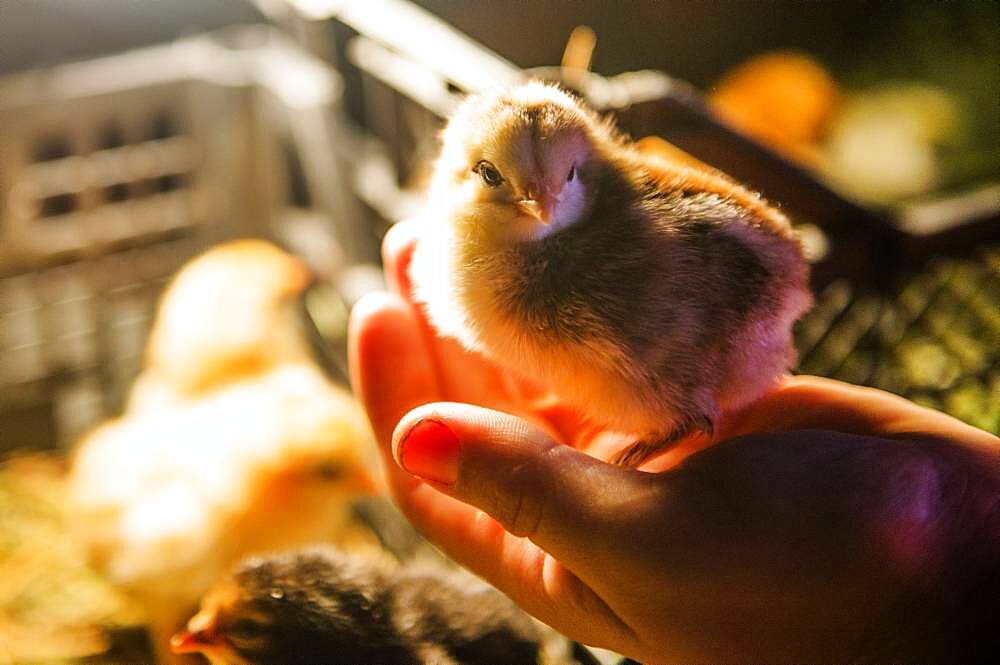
<point x="565" y="501"/>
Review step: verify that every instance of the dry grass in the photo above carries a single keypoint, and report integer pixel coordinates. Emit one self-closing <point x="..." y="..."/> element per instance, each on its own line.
<point x="54" y="609"/>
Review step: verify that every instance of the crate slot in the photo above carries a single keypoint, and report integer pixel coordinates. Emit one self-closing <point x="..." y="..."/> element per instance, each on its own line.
<point x="164" y="126"/>
<point x="169" y="183"/>
<point x="298" y="190"/>
<point x="111" y="136"/>
<point x="57" y="205"/>
<point x="116" y="193"/>
<point x="52" y="148"/>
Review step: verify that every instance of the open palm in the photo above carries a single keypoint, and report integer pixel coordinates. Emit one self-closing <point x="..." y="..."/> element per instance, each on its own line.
<point x="756" y="546"/>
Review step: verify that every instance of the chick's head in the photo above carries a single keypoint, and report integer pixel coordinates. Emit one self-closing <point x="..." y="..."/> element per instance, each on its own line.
<point x="307" y="454"/>
<point x="229" y="312"/>
<point x="517" y="165"/>
<point x="307" y="606"/>
<point x="226" y="624"/>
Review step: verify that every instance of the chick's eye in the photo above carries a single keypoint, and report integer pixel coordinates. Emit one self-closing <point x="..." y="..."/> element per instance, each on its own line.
<point x="489" y="173"/>
<point x="245" y="630"/>
<point x="329" y="470"/>
<point x="572" y="174"/>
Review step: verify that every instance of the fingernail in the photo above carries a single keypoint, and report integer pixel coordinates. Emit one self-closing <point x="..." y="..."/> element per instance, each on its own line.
<point x="430" y="451"/>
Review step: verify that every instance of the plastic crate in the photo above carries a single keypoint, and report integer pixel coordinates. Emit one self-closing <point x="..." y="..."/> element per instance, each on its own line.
<point x="116" y="171"/>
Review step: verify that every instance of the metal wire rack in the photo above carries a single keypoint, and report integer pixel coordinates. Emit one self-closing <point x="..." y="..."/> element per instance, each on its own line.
<point x="934" y="340"/>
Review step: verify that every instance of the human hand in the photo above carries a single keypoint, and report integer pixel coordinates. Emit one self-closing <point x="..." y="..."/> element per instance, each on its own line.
<point x="831" y="524"/>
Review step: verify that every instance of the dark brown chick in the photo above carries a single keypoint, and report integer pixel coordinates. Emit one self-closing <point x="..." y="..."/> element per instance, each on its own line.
<point x="651" y="296"/>
<point x="321" y="605"/>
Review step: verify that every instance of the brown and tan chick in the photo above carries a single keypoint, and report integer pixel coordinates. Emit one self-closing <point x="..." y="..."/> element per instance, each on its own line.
<point x="652" y="296"/>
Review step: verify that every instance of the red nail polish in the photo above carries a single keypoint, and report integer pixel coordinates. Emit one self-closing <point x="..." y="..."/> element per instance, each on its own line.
<point x="430" y="451"/>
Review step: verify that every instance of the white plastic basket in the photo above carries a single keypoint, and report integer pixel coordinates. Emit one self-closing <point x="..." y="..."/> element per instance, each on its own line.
<point x="115" y="171"/>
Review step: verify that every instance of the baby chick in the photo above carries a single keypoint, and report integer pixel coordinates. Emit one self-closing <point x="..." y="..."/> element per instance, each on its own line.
<point x="233" y="441"/>
<point x="320" y="605"/>
<point x="653" y="296"/>
<point x="229" y="313"/>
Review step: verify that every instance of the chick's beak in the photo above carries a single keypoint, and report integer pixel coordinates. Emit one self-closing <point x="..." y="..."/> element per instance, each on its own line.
<point x="538" y="208"/>
<point x="199" y="634"/>
<point x="365" y="483"/>
<point x="298" y="279"/>
<point x="187" y="642"/>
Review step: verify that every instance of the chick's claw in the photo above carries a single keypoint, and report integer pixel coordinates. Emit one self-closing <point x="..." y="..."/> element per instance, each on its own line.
<point x="646" y="449"/>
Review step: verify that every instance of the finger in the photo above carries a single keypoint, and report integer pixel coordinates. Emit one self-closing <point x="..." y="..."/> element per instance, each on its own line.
<point x="391" y="374"/>
<point x="397" y="253"/>
<point x="397" y="250"/>
<point x="462" y="375"/>
<point x="448" y="357"/>
<point x="809" y="402"/>
<point x="391" y="368"/>
<point x="565" y="501"/>
<point x="468" y="377"/>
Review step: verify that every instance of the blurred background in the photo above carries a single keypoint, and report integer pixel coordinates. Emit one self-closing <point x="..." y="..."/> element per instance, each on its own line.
<point x="136" y="134"/>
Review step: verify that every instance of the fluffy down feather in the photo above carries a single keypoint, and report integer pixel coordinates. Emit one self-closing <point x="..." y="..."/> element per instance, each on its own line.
<point x="232" y="443"/>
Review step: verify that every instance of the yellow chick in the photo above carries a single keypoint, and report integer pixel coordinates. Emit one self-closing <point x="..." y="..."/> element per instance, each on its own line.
<point x="229" y="313"/>
<point x="653" y="296"/>
<point x="233" y="442"/>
